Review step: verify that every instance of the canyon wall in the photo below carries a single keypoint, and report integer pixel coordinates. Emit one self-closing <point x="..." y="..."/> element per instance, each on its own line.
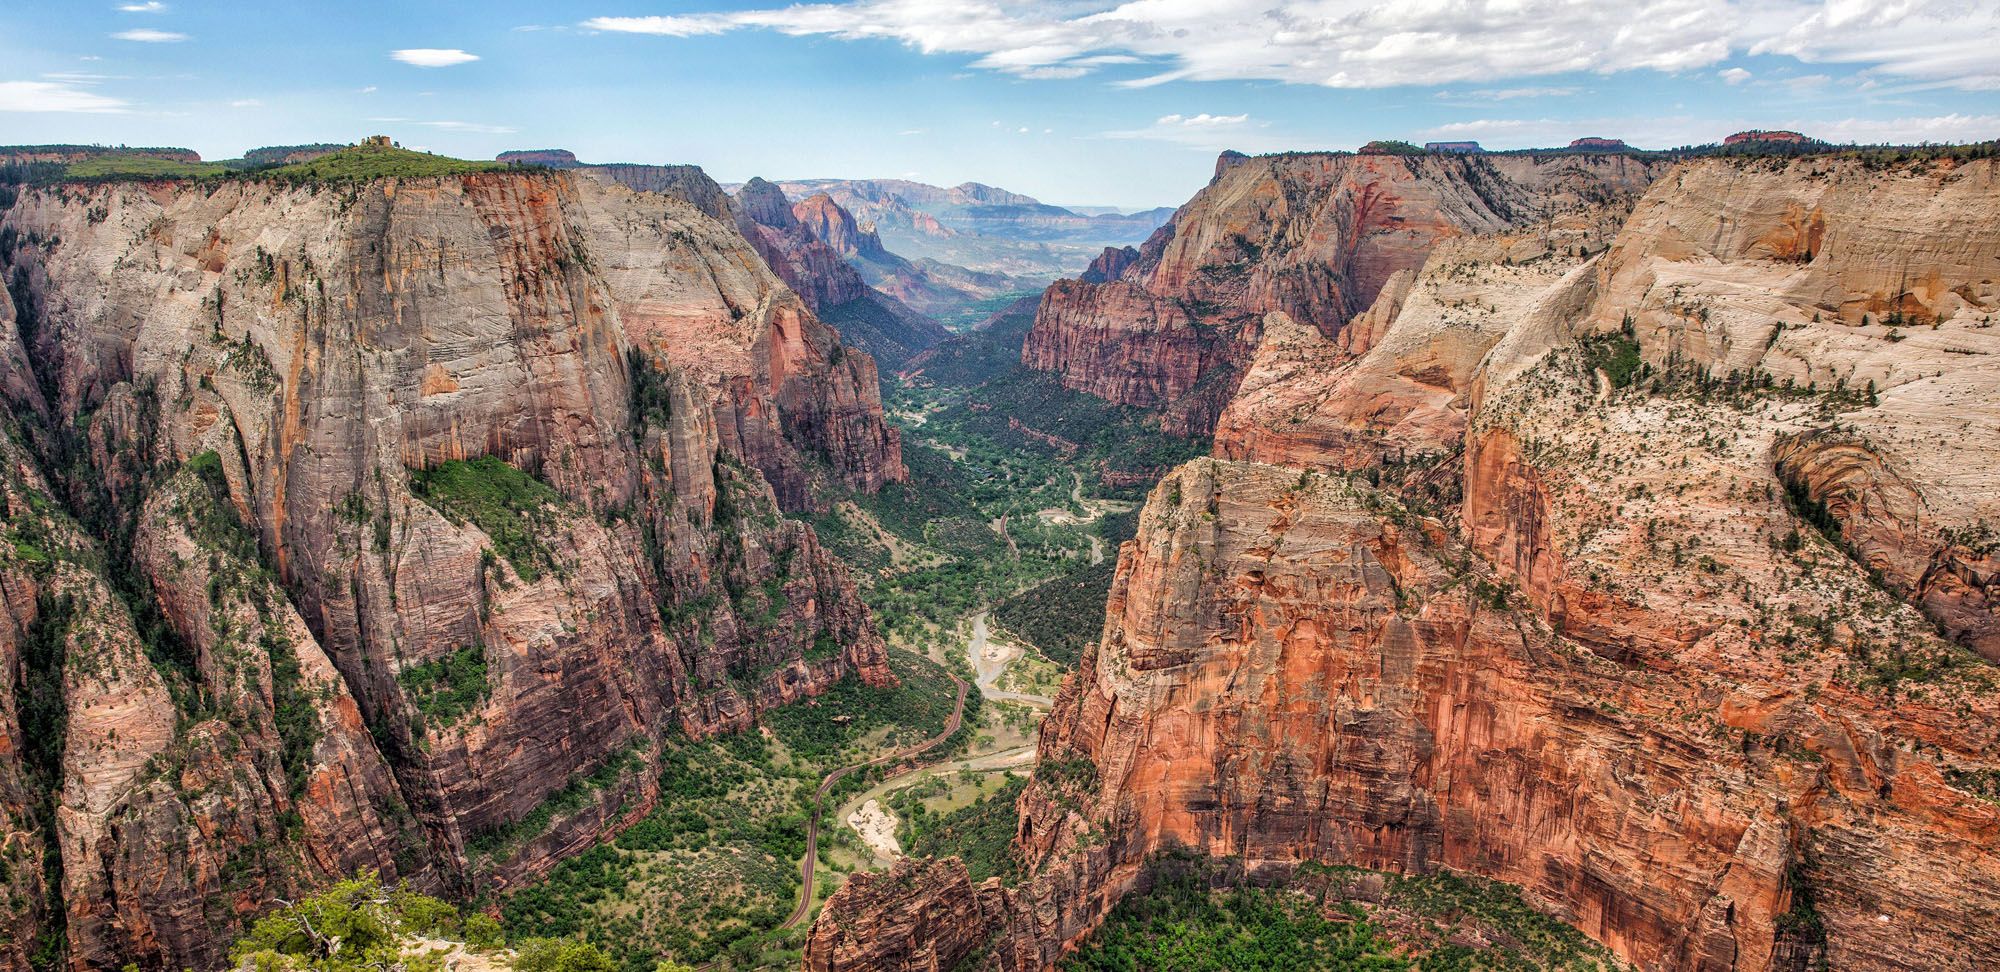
<point x="815" y="246"/>
<point x="352" y="522"/>
<point x="1652" y="578"/>
<point x="1314" y="236"/>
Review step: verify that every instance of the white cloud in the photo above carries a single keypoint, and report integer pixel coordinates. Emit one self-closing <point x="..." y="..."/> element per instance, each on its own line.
<point x="246" y="103"/>
<point x="1055" y="73"/>
<point x="1735" y="75"/>
<point x="61" y="96"/>
<point x="910" y="131"/>
<point x="1935" y="128"/>
<point x="1946" y="41"/>
<point x="1213" y="133"/>
<point x="1666" y="131"/>
<point x="660" y="26"/>
<point x="371" y="89"/>
<point x="1367" y="44"/>
<point x="433" y="57"/>
<point x="151" y="6"/>
<point x="147" y="35"/>
<point x="1203" y="120"/>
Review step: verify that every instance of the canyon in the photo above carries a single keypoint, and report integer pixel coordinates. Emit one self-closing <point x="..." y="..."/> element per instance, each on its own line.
<point x="1612" y="529"/>
<point x="1634" y="549"/>
<point x="351" y="524"/>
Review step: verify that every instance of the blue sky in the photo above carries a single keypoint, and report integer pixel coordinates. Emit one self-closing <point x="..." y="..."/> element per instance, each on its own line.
<point x="1072" y="101"/>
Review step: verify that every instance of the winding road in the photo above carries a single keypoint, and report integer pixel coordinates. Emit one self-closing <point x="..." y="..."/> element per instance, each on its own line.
<point x="826" y="785"/>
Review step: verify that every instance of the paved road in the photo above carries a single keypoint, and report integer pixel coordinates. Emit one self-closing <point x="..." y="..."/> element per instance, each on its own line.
<point x="826" y="785"/>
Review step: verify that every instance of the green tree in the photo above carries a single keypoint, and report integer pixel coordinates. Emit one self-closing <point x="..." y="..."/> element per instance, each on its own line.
<point x="353" y="925"/>
<point x="560" y="955"/>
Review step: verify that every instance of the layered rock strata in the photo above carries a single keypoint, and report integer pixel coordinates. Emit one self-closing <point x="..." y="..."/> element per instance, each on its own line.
<point x="1313" y="236"/>
<point x="405" y="504"/>
<point x="1690" y="652"/>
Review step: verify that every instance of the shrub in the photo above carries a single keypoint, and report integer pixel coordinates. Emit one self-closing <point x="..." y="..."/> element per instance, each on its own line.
<point x="505" y="503"/>
<point x="560" y="955"/>
<point x="353" y="925"/>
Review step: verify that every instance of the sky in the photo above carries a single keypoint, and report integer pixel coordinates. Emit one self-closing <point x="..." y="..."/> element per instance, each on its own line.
<point x="1072" y="101"/>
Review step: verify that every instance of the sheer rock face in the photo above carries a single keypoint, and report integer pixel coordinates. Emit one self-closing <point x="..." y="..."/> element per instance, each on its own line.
<point x="920" y="915"/>
<point x="1396" y="382"/>
<point x="1624" y="672"/>
<point x="687" y="183"/>
<point x="311" y="348"/>
<point x="1313" y="236"/>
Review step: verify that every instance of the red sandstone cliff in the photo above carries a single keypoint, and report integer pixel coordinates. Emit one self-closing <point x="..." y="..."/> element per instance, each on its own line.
<point x="1691" y="661"/>
<point x="242" y="383"/>
<point x="1312" y="236"/>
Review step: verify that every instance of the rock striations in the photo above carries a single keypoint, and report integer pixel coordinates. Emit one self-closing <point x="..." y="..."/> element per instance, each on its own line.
<point x="1313" y="236"/>
<point x="1652" y="578"/>
<point x="349" y="523"/>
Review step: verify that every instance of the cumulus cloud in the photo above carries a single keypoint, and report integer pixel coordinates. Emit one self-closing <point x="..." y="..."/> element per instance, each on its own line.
<point x="58" y="96"/>
<point x="1366" y="44"/>
<point x="147" y="35"/>
<point x="1735" y="75"/>
<point x="151" y="6"/>
<point x="433" y="57"/>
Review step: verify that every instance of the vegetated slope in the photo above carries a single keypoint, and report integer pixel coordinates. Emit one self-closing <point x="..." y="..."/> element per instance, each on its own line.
<point x="390" y="523"/>
<point x="974" y="388"/>
<point x="1638" y="635"/>
<point x="1062" y="615"/>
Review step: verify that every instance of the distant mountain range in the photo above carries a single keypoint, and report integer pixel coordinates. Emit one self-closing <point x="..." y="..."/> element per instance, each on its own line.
<point x="982" y="227"/>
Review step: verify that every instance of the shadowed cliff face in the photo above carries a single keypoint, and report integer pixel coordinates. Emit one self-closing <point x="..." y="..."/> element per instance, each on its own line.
<point x="1313" y="236"/>
<point x="1683" y="649"/>
<point x="404" y="504"/>
<point x="809" y="244"/>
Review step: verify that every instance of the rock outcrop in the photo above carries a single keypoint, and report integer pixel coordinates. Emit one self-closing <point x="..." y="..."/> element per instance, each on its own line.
<point x="687" y="183"/>
<point x="379" y="513"/>
<point x="918" y="915"/>
<point x="1686" y="650"/>
<point x="1313" y="236"/>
